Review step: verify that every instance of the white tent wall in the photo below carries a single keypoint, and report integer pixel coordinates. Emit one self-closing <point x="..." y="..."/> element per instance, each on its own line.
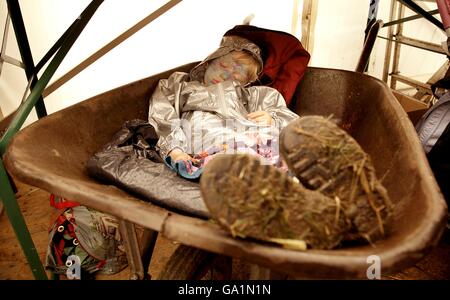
<point x="188" y="32"/>
<point x="339" y="33"/>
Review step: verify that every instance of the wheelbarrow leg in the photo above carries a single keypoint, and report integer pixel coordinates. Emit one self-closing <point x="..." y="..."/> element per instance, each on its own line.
<point x="262" y="273"/>
<point x="222" y="268"/>
<point x="148" y="242"/>
<point x="128" y="232"/>
<point x="259" y="273"/>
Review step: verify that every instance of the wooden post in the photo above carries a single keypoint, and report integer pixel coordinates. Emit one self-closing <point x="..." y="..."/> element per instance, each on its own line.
<point x="396" y="59"/>
<point x="309" y="16"/>
<point x="387" y="59"/>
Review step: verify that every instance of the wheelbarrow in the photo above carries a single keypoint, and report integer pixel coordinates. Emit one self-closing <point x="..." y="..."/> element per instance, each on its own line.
<point x="52" y="153"/>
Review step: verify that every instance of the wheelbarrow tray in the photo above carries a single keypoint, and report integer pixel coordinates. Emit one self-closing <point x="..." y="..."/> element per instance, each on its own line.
<point x="52" y="153"/>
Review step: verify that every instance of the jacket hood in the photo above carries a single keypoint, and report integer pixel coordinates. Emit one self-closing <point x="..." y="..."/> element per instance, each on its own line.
<point x="285" y="59"/>
<point x="227" y="45"/>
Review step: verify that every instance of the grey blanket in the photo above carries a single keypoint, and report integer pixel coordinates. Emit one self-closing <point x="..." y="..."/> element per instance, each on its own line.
<point x="131" y="161"/>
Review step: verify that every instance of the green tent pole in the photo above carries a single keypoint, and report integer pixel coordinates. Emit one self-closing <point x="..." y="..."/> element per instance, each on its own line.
<point x="17" y="221"/>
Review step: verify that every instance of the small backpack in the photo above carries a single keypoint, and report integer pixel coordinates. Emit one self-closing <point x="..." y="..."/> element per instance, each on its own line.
<point x="83" y="241"/>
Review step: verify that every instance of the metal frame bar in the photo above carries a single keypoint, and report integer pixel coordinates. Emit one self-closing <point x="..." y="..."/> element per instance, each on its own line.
<point x="25" y="50"/>
<point x="128" y="232"/>
<point x="411" y="18"/>
<point x="6" y="193"/>
<point x="12" y="61"/>
<point x="371" y="17"/>
<point x="148" y="242"/>
<point x="370" y="35"/>
<point x="416" y="8"/>
<point x="4" y="41"/>
<point x="3" y="56"/>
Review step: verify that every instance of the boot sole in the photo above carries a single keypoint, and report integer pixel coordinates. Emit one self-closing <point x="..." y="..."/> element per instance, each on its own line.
<point x="327" y="159"/>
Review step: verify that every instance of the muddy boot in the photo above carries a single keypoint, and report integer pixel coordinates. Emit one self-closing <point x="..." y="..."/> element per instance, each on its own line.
<point x="327" y="159"/>
<point x="249" y="199"/>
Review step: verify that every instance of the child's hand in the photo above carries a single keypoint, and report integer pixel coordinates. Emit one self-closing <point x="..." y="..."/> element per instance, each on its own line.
<point x="177" y="155"/>
<point x="262" y="117"/>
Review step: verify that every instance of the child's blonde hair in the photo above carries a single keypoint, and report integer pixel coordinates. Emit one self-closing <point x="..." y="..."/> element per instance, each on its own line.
<point x="243" y="57"/>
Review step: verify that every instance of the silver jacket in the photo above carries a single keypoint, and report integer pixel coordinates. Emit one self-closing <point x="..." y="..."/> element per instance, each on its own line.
<point x="192" y="116"/>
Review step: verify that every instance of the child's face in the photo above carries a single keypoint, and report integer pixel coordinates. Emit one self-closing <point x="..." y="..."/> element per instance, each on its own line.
<point x="226" y="68"/>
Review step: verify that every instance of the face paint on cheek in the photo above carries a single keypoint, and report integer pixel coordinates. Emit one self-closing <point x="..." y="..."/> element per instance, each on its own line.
<point x="225" y="68"/>
<point x="214" y="74"/>
<point x="240" y="73"/>
<point x="225" y="75"/>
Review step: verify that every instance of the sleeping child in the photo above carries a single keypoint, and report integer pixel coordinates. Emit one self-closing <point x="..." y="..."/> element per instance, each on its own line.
<point x="214" y="109"/>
